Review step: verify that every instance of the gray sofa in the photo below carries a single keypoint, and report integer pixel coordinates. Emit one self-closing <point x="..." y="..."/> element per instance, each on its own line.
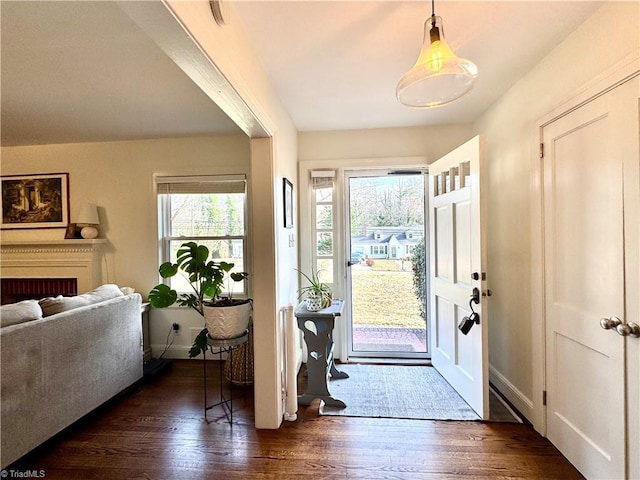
<point x="56" y="369"/>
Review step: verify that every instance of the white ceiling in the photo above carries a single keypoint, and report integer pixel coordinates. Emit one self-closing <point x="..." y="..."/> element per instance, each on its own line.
<point x="83" y="71"/>
<point x="336" y="64"/>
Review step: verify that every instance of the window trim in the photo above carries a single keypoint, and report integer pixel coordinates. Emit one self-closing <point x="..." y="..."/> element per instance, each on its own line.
<point x="164" y="217"/>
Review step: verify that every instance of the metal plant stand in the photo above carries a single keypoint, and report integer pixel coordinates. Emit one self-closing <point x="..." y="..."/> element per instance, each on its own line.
<point x="217" y="346"/>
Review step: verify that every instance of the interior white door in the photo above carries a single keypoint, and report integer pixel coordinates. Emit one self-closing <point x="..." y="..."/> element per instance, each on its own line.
<point x="457" y="259"/>
<point x="584" y="223"/>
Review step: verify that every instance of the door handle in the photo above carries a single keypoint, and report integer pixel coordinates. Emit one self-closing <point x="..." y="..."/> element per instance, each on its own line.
<point x="628" y="329"/>
<point x="610" y="323"/>
<point x="475" y="297"/>
<point x="623" y="329"/>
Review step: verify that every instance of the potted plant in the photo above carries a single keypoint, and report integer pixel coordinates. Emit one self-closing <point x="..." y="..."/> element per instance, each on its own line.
<point x="225" y="317"/>
<point x="318" y="294"/>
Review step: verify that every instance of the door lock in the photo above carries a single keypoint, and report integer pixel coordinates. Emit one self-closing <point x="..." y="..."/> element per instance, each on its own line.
<point x="477" y="276"/>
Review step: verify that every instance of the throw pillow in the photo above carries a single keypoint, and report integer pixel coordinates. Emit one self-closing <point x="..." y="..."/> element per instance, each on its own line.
<point x="52" y="305"/>
<point x="19" y="312"/>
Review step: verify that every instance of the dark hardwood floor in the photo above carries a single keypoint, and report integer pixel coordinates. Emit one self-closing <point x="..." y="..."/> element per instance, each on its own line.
<point x="158" y="432"/>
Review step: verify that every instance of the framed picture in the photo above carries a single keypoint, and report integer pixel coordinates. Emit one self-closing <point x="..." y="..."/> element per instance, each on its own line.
<point x="35" y="201"/>
<point x="287" y="188"/>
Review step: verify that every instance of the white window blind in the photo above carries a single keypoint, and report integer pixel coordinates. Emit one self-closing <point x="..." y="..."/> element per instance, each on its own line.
<point x="202" y="184"/>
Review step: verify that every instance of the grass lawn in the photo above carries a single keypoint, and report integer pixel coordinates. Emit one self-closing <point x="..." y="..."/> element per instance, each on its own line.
<point x="383" y="295"/>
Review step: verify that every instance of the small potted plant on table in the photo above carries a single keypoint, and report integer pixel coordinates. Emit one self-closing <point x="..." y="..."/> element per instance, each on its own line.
<point x="318" y="294"/>
<point x="225" y="317"/>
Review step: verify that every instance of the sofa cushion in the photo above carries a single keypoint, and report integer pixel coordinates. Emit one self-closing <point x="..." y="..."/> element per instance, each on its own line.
<point x="52" y="305"/>
<point x="19" y="312"/>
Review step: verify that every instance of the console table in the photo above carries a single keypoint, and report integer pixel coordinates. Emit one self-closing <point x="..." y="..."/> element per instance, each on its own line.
<point x="317" y="328"/>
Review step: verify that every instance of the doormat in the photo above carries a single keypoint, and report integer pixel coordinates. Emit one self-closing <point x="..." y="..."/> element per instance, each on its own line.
<point x="394" y="391"/>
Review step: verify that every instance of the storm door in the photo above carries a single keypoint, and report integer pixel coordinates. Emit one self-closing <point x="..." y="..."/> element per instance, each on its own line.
<point x="386" y="274"/>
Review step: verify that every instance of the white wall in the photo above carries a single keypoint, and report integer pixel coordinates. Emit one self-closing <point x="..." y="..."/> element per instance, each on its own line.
<point x="509" y="128"/>
<point x="118" y="177"/>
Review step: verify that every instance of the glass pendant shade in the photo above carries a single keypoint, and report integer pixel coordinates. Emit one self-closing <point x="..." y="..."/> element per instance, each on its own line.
<point x="438" y="77"/>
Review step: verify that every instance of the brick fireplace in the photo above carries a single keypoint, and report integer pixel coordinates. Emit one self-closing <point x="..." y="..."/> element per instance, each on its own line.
<point x="16" y="289"/>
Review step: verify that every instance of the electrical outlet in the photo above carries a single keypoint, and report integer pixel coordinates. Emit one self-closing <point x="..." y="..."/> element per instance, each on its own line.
<point x="176" y="329"/>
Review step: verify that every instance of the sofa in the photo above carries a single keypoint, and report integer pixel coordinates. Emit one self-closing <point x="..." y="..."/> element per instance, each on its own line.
<point x="61" y="358"/>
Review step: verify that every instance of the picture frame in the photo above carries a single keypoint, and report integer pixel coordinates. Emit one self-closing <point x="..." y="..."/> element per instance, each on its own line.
<point x="34" y="201"/>
<point x="287" y="190"/>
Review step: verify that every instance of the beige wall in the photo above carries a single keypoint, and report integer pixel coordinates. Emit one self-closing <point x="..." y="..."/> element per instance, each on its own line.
<point x="509" y="128"/>
<point x="430" y="142"/>
<point x="118" y="177"/>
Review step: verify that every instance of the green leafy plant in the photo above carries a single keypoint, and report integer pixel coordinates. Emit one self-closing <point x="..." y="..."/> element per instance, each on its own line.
<point x="206" y="278"/>
<point x="316" y="288"/>
<point x="419" y="276"/>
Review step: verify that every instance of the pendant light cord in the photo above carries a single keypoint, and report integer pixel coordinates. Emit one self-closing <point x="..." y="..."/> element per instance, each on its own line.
<point x="433" y="14"/>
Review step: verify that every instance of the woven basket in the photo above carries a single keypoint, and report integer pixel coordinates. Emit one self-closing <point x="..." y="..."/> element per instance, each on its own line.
<point x="235" y="371"/>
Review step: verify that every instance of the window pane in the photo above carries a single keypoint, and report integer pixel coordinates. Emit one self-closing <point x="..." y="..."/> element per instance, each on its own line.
<point x="325" y="269"/>
<point x="229" y="251"/>
<point x="324" y="216"/>
<point x="214" y="215"/>
<point x="324" y="195"/>
<point x="325" y="243"/>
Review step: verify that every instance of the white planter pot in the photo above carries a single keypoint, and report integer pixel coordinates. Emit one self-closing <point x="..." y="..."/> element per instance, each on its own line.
<point x="227" y="321"/>
<point x="314" y="303"/>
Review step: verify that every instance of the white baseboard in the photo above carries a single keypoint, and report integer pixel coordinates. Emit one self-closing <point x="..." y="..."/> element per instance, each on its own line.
<point x="181" y="352"/>
<point x="519" y="400"/>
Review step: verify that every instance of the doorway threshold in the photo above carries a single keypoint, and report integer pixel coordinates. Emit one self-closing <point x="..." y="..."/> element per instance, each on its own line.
<point x="390" y="361"/>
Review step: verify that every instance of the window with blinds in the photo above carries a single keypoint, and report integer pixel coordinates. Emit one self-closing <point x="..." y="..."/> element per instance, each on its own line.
<point x="208" y="210"/>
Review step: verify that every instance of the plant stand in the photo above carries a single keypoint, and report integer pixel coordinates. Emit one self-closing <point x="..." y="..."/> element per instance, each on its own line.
<point x="217" y="347"/>
<point x="319" y="340"/>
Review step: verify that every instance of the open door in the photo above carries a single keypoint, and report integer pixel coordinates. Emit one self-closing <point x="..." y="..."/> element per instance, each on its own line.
<point x="458" y="274"/>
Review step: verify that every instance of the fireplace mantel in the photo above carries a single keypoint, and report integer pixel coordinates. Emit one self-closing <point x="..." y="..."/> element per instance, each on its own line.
<point x="80" y="259"/>
<point x="46" y="245"/>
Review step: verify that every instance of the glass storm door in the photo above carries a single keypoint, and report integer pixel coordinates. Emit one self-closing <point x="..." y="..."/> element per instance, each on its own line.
<point x="386" y="274"/>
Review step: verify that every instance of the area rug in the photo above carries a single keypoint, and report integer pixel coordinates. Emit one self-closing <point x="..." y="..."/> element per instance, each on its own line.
<point x="393" y="391"/>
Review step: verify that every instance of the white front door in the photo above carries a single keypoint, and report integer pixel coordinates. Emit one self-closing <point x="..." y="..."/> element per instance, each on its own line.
<point x="589" y="160"/>
<point x="457" y="268"/>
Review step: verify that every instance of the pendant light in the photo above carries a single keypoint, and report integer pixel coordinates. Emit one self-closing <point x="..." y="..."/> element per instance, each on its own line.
<point x="439" y="76"/>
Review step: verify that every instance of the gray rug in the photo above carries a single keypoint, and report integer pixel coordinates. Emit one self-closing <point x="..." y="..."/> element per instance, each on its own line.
<point x="393" y="391"/>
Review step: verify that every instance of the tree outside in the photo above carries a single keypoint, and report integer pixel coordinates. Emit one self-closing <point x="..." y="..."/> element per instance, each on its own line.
<point x="384" y="293"/>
